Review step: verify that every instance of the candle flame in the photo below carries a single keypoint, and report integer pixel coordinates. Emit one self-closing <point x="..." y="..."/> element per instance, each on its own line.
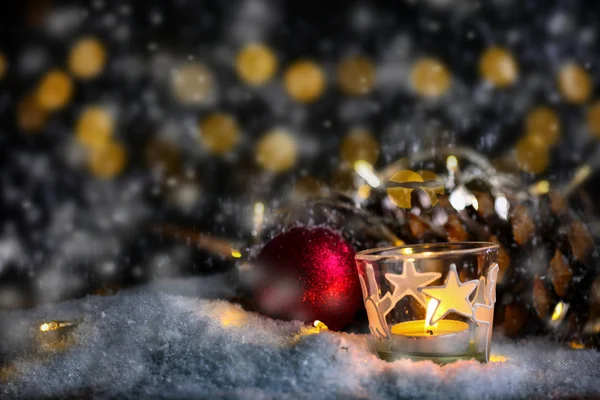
<point x="431" y="306"/>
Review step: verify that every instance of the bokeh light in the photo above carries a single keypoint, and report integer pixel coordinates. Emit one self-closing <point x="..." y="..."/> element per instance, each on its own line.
<point x="87" y="58"/>
<point x="304" y="81"/>
<point x="219" y="133"/>
<point x="192" y="83"/>
<point x="55" y="90"/>
<point x="574" y="83"/>
<point x="256" y="64"/>
<point x="498" y="66"/>
<point x="356" y="75"/>
<point x="277" y="151"/>
<point x="430" y="78"/>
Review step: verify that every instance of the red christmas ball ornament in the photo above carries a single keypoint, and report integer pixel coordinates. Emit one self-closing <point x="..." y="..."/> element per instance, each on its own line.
<point x="307" y="273"/>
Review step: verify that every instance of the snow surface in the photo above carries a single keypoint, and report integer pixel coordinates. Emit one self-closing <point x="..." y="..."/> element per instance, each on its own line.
<point x="166" y="341"/>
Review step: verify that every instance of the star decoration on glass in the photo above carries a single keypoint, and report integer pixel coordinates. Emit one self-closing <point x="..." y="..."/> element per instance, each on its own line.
<point x="453" y="296"/>
<point x="410" y="281"/>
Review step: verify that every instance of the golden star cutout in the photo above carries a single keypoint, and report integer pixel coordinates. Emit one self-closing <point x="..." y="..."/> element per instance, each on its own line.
<point x="410" y="281"/>
<point x="453" y="296"/>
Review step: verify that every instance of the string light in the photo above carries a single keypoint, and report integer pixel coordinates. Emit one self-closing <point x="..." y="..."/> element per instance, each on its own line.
<point x="498" y="66"/>
<point x="574" y="83"/>
<point x="219" y="133"/>
<point x="236" y="254"/>
<point x="55" y="90"/>
<point x="258" y="218"/>
<point x="356" y="75"/>
<point x="192" y="83"/>
<point x="277" y="151"/>
<point x="304" y="81"/>
<point x="365" y="170"/>
<point x="87" y="58"/>
<point x="560" y="310"/>
<point x="359" y="144"/>
<point x="94" y="128"/>
<point x="56" y="325"/>
<point x="430" y="78"/>
<point x="256" y="64"/>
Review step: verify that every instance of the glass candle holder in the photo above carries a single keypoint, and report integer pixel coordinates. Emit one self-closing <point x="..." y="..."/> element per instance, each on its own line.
<point x="430" y="301"/>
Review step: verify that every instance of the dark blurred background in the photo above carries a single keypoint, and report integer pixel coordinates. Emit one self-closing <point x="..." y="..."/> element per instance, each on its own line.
<point x="140" y="139"/>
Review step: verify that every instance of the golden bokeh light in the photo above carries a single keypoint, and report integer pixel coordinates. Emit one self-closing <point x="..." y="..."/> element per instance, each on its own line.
<point x="94" y="128"/>
<point x="498" y="66"/>
<point x="532" y="155"/>
<point x="3" y="65"/>
<point x="107" y="161"/>
<point x="544" y="123"/>
<point x="192" y="83"/>
<point x="87" y="58"/>
<point x="359" y="144"/>
<point x="55" y="90"/>
<point x="163" y="156"/>
<point x="277" y="151"/>
<point x="256" y="64"/>
<point x="592" y="119"/>
<point x="574" y="83"/>
<point x="430" y="78"/>
<point x="219" y="133"/>
<point x="356" y="75"/>
<point x="304" y="81"/>
<point x="30" y="116"/>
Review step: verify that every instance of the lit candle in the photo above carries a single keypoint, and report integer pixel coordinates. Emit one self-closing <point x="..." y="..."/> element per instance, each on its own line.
<point x="445" y="337"/>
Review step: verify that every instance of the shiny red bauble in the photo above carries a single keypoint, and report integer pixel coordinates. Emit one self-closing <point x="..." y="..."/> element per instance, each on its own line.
<point x="307" y="273"/>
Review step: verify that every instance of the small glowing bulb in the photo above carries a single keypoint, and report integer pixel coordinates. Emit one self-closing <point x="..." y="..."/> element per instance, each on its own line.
<point x="44" y="327"/>
<point x="236" y="254"/>
<point x="502" y="207"/>
<point x="560" y="310"/>
<point x="258" y="218"/>
<point x="364" y="191"/>
<point x="498" y="359"/>
<point x="408" y="250"/>
<point x="320" y="325"/>
<point x="365" y="170"/>
<point x="451" y="163"/>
